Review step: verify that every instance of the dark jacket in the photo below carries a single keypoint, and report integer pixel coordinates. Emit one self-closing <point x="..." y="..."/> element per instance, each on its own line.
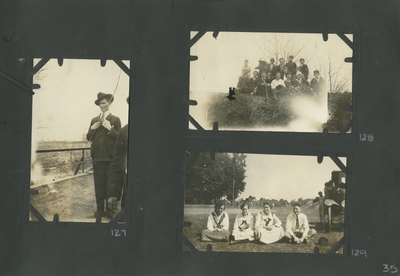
<point x="292" y="67"/>
<point x="103" y="141"/>
<point x="319" y="87"/>
<point x="274" y="70"/>
<point x="304" y="70"/>
<point x="117" y="176"/>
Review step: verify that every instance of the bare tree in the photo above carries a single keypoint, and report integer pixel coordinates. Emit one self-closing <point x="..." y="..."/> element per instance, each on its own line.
<point x="337" y="78"/>
<point x="283" y="46"/>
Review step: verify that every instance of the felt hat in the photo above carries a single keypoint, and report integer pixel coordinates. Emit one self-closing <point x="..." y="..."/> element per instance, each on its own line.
<point x="102" y="95"/>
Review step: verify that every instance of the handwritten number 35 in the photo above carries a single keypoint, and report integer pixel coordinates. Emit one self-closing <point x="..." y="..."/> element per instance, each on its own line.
<point x="390" y="268"/>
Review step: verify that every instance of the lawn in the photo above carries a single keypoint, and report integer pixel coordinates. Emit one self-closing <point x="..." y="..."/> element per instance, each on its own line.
<point x="197" y="216"/>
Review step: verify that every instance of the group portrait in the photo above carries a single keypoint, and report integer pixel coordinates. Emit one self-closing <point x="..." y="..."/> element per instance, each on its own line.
<point x="271" y="81"/>
<point x="252" y="203"/>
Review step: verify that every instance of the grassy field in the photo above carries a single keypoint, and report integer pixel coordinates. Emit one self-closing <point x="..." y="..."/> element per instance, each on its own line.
<point x="197" y="216"/>
<point x="249" y="111"/>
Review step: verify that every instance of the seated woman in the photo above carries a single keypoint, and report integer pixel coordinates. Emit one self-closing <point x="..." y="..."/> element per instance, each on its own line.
<point x="284" y="73"/>
<point x="268" y="226"/>
<point x="288" y="81"/>
<point x="217" y="225"/>
<point x="243" y="226"/>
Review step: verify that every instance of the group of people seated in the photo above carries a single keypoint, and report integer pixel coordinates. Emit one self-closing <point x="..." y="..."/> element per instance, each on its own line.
<point x="267" y="228"/>
<point x="282" y="80"/>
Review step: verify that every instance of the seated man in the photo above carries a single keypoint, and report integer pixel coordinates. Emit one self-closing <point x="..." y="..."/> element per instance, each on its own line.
<point x="217" y="225"/>
<point x="263" y="84"/>
<point x="297" y="228"/>
<point x="255" y="82"/>
<point x="278" y="85"/>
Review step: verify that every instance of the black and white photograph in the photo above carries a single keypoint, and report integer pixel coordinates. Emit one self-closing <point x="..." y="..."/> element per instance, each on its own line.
<point x="289" y="82"/>
<point x="79" y="140"/>
<point x="264" y="203"/>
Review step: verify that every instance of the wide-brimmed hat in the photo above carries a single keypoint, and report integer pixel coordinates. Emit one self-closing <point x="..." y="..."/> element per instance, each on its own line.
<point x="102" y="95"/>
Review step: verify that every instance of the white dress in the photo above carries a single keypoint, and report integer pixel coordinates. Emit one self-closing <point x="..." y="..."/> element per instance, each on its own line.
<point x="243" y="227"/>
<point x="268" y="236"/>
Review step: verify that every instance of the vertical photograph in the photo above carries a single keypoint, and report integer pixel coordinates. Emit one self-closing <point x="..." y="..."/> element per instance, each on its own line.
<point x="79" y="141"/>
<point x="294" y="82"/>
<point x="264" y="203"/>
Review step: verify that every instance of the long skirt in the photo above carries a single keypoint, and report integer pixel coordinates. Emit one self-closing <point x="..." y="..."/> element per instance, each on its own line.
<point x="207" y="235"/>
<point x="247" y="234"/>
<point x="272" y="236"/>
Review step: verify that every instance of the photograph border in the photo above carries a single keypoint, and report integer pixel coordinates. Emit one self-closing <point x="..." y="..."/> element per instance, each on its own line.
<point x="343" y="242"/>
<point x="126" y="211"/>
<point x="355" y="60"/>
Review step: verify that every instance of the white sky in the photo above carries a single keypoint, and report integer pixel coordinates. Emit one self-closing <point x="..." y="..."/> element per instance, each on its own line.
<point x="220" y="60"/>
<point x="64" y="105"/>
<point x="286" y="176"/>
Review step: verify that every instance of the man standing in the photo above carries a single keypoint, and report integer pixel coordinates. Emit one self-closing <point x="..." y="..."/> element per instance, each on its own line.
<point x="280" y="67"/>
<point x="272" y="67"/>
<point x="102" y="134"/>
<point x="318" y="85"/>
<point x="321" y="208"/>
<point x="303" y="68"/>
<point x="291" y="66"/>
<point x="118" y="171"/>
<point x="297" y="228"/>
<point x="244" y="83"/>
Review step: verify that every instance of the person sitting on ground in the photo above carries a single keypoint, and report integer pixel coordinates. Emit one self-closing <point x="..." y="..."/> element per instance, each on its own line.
<point x="217" y="225"/>
<point x="288" y="81"/>
<point x="268" y="80"/>
<point x="263" y="84"/>
<point x="278" y="85"/>
<point x="243" y="226"/>
<point x="268" y="226"/>
<point x="299" y="73"/>
<point x="285" y="72"/>
<point x="255" y="82"/>
<point x="297" y="228"/>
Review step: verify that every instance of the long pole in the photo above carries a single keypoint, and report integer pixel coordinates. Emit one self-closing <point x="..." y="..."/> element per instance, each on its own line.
<point x="233" y="192"/>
